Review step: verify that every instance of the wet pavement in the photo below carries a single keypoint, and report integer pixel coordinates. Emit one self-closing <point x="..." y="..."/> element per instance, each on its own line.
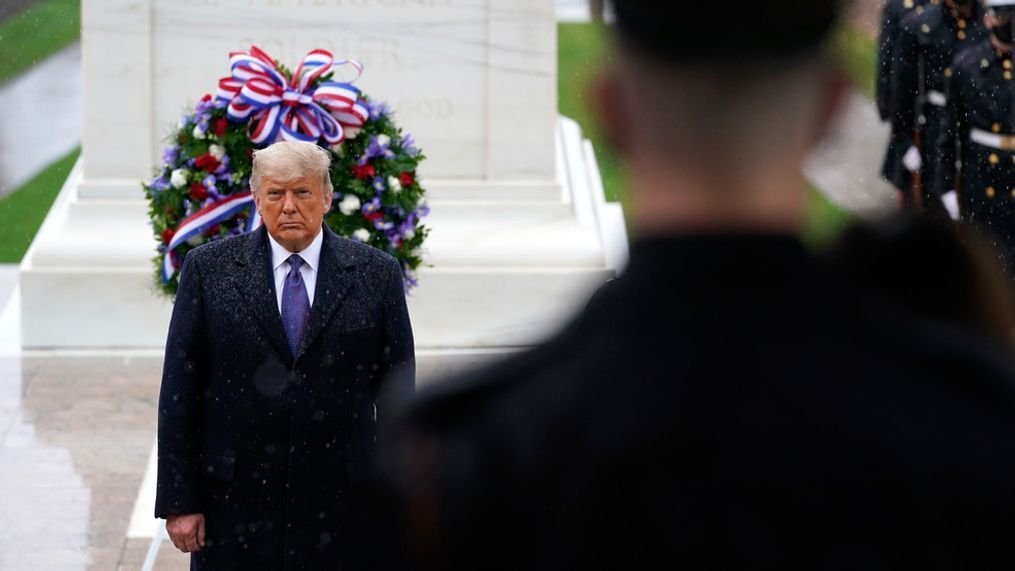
<point x="76" y="436"/>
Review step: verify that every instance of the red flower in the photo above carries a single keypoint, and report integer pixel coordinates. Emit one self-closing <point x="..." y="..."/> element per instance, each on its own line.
<point x="168" y="234"/>
<point x="372" y="216"/>
<point x="206" y="98"/>
<point x="364" y="171"/>
<point x="198" y="192"/>
<point x="213" y="230"/>
<point x="206" y="162"/>
<point x="218" y="126"/>
<point x="406" y="179"/>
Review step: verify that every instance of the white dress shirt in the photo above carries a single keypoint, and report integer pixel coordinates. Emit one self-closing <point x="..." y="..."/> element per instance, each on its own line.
<point x="311" y="263"/>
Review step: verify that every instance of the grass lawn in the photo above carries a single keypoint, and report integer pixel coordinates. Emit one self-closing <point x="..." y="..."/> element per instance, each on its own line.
<point x="22" y="211"/>
<point x="582" y="51"/>
<point x="857" y="55"/>
<point x="36" y="33"/>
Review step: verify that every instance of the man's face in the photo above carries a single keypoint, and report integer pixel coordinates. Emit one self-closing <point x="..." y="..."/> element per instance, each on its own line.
<point x="292" y="208"/>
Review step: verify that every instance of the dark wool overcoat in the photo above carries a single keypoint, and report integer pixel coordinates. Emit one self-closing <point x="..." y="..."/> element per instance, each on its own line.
<point x="730" y="402"/>
<point x="268" y="445"/>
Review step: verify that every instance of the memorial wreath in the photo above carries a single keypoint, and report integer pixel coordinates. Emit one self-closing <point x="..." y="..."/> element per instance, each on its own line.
<point x="201" y="192"/>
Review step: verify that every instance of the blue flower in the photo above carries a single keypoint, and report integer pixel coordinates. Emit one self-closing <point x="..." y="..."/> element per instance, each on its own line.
<point x="159" y="183"/>
<point x="377" y="109"/>
<point x="409" y="145"/>
<point x="379" y="185"/>
<point x="379" y="147"/>
<point x="169" y="155"/>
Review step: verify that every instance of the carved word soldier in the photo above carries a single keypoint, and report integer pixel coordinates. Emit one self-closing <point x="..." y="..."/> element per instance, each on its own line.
<point x="888" y="43"/>
<point x="979" y="129"/>
<point x="929" y="41"/>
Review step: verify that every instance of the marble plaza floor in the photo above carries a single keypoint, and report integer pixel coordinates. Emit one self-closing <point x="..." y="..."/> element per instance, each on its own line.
<point x="76" y="439"/>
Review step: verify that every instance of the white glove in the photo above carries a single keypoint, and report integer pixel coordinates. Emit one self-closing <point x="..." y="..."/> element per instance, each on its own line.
<point x="951" y="201"/>
<point x="911" y="160"/>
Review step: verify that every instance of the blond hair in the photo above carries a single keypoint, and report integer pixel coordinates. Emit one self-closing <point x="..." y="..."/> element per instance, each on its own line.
<point x="290" y="160"/>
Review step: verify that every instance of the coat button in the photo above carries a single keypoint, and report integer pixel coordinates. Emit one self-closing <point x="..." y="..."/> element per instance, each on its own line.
<point x="991" y="192"/>
<point x="993" y="159"/>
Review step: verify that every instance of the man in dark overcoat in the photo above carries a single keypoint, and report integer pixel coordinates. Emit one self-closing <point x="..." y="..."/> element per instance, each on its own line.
<point x="283" y="348"/>
<point x="732" y="401"/>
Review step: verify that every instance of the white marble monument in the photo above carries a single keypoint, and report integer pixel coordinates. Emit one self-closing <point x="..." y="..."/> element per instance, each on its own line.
<point x="521" y="234"/>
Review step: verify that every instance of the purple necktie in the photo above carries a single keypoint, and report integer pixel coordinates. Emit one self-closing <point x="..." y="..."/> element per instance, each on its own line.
<point x="295" y="304"/>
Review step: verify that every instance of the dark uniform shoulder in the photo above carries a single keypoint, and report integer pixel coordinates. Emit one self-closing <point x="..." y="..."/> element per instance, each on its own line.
<point x="923" y="20"/>
<point x="974" y="58"/>
<point x="900" y="8"/>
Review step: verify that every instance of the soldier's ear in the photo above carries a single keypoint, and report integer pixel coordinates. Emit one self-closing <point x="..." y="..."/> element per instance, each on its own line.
<point x="611" y="109"/>
<point x="833" y="92"/>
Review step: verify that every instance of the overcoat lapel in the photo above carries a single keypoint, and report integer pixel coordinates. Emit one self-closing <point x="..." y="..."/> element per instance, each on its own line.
<point x="258" y="285"/>
<point x="334" y="280"/>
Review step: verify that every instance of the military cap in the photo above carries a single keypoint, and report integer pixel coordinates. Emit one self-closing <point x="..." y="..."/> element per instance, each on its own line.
<point x="730" y="31"/>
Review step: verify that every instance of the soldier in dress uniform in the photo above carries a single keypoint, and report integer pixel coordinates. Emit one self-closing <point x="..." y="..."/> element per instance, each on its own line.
<point x="728" y="402"/>
<point x="888" y="41"/>
<point x="931" y="36"/>
<point x="979" y="129"/>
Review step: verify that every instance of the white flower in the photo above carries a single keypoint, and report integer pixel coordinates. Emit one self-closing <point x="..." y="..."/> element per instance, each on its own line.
<point x="349" y="204"/>
<point x="394" y="184"/>
<point x="383" y="140"/>
<point x="178" y="178"/>
<point x="196" y="240"/>
<point x="361" y="235"/>
<point x="199" y="133"/>
<point x="408" y="234"/>
<point x="352" y="132"/>
<point x="217" y="152"/>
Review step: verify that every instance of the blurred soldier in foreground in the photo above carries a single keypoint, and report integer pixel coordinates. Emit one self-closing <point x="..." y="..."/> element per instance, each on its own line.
<point x="888" y="40"/>
<point x="729" y="402"/>
<point x="979" y="129"/>
<point x="928" y="42"/>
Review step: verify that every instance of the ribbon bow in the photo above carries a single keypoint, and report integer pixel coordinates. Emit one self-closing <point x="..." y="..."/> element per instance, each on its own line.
<point x="292" y="110"/>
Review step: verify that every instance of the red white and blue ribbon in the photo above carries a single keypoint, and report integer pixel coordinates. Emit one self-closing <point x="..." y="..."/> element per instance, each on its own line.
<point x="293" y="110"/>
<point x="215" y="213"/>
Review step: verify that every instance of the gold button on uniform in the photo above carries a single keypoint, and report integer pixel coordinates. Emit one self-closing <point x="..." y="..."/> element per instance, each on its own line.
<point x="1007" y="75"/>
<point x="991" y="192"/>
<point x="1006" y="63"/>
<point x="925" y="29"/>
<point x="996" y="127"/>
<point x="962" y="24"/>
<point x="984" y="63"/>
<point x="961" y="35"/>
<point x="993" y="159"/>
<point x="948" y="72"/>
<point x="908" y="4"/>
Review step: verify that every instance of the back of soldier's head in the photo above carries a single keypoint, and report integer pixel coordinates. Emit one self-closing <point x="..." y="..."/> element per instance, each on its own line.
<point x="722" y="84"/>
<point x="734" y="32"/>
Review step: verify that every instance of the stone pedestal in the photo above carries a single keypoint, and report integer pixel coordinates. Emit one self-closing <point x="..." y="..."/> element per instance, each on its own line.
<point x="520" y="235"/>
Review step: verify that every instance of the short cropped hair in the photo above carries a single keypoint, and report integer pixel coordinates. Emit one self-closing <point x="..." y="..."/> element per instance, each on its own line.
<point x="290" y="160"/>
<point x="726" y="32"/>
